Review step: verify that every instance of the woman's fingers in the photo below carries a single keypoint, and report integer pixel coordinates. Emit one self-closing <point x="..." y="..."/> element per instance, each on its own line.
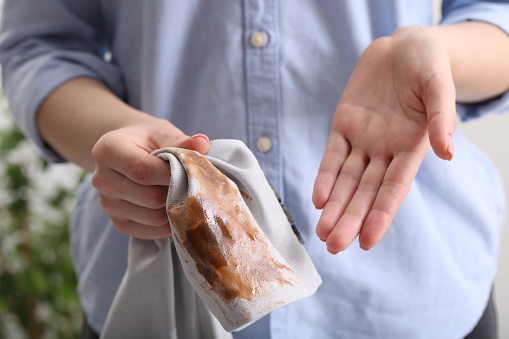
<point x="363" y="204"/>
<point x="393" y="190"/>
<point x="335" y="155"/>
<point x="132" y="183"/>
<point x="136" y="210"/>
<point x="120" y="153"/>
<point x="350" y="223"/>
<point x="127" y="211"/>
<point x="345" y="186"/>
<point x="116" y="186"/>
<point x="440" y="105"/>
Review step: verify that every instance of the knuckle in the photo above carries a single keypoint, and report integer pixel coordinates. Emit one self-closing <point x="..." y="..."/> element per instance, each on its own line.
<point x="122" y="225"/>
<point x="161" y="218"/>
<point x="359" y="152"/>
<point x="348" y="176"/>
<point x="106" y="204"/>
<point x="155" y="198"/>
<point x="100" y="149"/>
<point x="98" y="181"/>
<point x="395" y="187"/>
<point x="139" y="172"/>
<point x="369" y="188"/>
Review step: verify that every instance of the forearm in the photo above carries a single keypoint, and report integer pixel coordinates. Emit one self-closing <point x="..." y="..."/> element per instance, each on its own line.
<point x="90" y="126"/>
<point x="479" y="57"/>
<point x="78" y="113"/>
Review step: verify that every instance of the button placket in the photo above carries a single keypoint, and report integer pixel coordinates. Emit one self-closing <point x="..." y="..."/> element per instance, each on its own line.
<point x="261" y="34"/>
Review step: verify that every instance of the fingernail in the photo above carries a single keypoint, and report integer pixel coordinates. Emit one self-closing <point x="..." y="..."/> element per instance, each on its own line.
<point x="199" y="135"/>
<point x="364" y="248"/>
<point x="450" y="147"/>
<point x="332" y="252"/>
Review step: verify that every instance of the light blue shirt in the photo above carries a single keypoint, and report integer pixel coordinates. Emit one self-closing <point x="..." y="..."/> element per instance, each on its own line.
<point x="275" y="70"/>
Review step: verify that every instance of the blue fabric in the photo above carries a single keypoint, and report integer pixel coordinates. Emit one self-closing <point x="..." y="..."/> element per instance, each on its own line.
<point x="192" y="62"/>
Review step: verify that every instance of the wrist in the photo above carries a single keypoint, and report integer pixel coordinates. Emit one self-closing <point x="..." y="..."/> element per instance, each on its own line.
<point x="79" y="112"/>
<point x="477" y="53"/>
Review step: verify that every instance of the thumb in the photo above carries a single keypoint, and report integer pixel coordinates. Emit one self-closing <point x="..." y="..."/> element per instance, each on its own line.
<point x="440" y="106"/>
<point x="198" y="142"/>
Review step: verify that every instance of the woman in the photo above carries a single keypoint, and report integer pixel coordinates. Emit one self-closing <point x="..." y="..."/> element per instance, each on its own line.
<point x="104" y="83"/>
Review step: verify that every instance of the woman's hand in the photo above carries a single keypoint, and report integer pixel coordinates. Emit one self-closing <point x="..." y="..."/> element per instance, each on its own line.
<point x="132" y="183"/>
<point x="399" y="100"/>
<point x="87" y="124"/>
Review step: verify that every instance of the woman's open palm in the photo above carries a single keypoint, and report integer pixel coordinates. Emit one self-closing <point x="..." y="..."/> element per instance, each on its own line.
<point x="399" y="98"/>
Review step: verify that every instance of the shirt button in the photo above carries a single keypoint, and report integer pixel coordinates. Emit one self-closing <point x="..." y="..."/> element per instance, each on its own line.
<point x="264" y="144"/>
<point x="259" y="39"/>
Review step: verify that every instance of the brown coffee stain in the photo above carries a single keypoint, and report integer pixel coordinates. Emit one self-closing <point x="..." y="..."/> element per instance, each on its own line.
<point x="216" y="230"/>
<point x="245" y="195"/>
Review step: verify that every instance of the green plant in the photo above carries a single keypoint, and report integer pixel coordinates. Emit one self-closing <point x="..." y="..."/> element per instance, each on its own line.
<point x="38" y="296"/>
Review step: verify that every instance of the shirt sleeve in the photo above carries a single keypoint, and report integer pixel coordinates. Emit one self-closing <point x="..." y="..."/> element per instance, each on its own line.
<point x="44" y="43"/>
<point x="495" y="13"/>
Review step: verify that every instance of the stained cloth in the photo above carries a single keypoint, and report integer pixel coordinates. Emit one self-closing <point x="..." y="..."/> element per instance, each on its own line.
<point x="234" y="255"/>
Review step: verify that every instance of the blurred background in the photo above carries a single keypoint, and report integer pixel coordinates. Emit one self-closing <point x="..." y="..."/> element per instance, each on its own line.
<point x="37" y="283"/>
<point x="490" y="133"/>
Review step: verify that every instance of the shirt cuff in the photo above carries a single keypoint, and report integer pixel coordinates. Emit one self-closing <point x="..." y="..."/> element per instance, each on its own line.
<point x="37" y="79"/>
<point x="492" y="13"/>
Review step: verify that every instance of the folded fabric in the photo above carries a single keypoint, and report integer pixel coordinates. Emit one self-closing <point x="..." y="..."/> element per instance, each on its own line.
<point x="231" y="239"/>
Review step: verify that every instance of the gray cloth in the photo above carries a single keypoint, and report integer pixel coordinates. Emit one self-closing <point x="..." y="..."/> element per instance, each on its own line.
<point x="233" y="256"/>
